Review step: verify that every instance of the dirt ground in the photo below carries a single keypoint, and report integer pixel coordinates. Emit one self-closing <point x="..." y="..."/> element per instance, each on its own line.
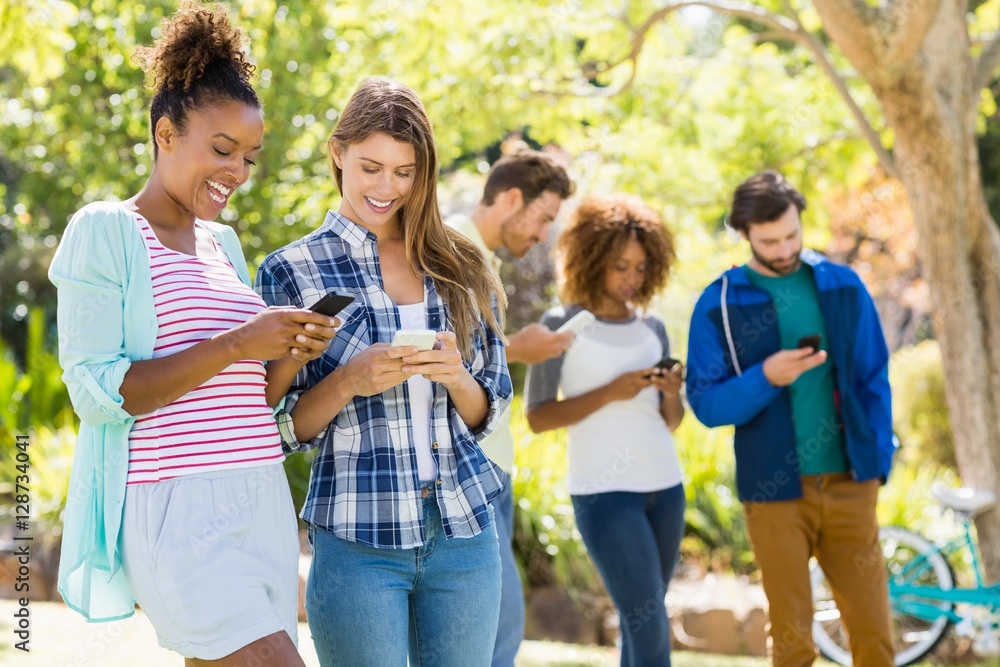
<point x="61" y="638"/>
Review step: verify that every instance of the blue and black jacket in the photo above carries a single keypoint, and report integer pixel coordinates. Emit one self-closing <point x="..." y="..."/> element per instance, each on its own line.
<point x="734" y="328"/>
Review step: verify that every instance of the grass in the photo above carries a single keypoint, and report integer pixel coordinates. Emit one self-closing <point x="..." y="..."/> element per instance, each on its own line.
<point x="550" y="654"/>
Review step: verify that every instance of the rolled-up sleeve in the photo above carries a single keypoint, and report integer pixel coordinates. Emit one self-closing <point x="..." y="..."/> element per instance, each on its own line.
<point x="87" y="271"/>
<point x="489" y="368"/>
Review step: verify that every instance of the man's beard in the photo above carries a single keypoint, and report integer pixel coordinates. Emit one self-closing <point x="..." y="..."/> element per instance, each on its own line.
<point x="510" y="238"/>
<point x="782" y="269"/>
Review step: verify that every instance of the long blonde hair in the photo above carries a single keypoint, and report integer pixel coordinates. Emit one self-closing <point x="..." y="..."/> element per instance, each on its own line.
<point x="463" y="276"/>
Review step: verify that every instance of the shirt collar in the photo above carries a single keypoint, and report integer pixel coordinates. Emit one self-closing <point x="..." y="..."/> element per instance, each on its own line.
<point x="351" y="232"/>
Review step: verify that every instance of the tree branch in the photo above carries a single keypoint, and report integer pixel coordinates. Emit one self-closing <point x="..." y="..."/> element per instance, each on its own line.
<point x="873" y="138"/>
<point x="842" y="135"/>
<point x="987" y="63"/>
<point x="793" y="30"/>
<point x="906" y="23"/>
<point x="781" y="27"/>
<point x="853" y="26"/>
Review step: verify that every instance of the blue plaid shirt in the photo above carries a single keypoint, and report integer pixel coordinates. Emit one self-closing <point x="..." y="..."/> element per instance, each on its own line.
<point x="364" y="485"/>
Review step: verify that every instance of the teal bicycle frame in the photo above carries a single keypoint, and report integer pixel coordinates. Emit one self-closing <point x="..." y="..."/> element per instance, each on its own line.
<point x="912" y="599"/>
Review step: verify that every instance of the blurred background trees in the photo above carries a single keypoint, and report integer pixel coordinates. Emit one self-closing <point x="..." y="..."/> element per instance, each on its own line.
<point x="678" y="111"/>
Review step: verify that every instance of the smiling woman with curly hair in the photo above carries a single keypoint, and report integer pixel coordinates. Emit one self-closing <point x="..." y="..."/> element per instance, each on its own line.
<point x="620" y="399"/>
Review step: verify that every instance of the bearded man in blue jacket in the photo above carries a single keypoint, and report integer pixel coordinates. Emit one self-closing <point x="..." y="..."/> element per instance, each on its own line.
<point x="813" y="420"/>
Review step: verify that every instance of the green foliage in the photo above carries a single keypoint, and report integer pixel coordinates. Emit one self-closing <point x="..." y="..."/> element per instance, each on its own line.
<point x="35" y="396"/>
<point x="37" y="406"/>
<point x="920" y="411"/>
<point x="15" y="385"/>
<point x="694" y="120"/>
<point x="716" y="529"/>
<point x="906" y="499"/>
<point x="298" y="468"/>
<point x="51" y="457"/>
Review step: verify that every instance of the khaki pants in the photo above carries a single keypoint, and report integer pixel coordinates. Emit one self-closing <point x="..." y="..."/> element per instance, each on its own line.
<point x="834" y="521"/>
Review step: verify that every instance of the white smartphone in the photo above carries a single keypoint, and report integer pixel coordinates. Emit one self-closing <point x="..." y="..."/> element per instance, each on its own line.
<point x="423" y="339"/>
<point x="578" y="323"/>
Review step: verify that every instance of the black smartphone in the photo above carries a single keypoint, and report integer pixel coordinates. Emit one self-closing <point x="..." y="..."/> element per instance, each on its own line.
<point x="667" y="363"/>
<point x="812" y="341"/>
<point x="331" y="304"/>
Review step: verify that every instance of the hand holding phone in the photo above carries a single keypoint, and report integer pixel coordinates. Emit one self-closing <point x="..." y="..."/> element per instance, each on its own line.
<point x="331" y="304"/>
<point x="667" y="363"/>
<point x="578" y="323"/>
<point x="423" y="339"/>
<point x="812" y="341"/>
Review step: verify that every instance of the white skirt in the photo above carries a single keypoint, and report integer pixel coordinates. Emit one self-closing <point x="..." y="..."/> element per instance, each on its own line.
<point x="212" y="559"/>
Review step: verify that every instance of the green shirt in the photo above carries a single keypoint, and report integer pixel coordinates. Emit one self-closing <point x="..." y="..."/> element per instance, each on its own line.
<point x="819" y="435"/>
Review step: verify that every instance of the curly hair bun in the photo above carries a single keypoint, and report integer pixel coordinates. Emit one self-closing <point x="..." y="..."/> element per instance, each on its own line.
<point x="195" y="42"/>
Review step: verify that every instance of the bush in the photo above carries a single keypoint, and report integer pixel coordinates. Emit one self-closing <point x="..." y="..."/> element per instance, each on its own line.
<point x="906" y="499"/>
<point x="715" y="533"/>
<point x="37" y="406"/>
<point x="298" y="468"/>
<point x="920" y="411"/>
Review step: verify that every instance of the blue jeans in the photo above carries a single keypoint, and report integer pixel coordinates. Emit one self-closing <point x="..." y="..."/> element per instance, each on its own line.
<point x="634" y="540"/>
<point x="510" y="631"/>
<point x="436" y="604"/>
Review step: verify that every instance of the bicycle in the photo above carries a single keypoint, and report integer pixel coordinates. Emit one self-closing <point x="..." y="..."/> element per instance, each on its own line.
<point x="922" y="591"/>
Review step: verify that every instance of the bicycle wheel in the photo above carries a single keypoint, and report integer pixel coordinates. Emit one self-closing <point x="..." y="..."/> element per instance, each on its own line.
<point x="914" y="636"/>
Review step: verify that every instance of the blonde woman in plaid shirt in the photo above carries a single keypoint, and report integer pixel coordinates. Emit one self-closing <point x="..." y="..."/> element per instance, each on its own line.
<point x="405" y="552"/>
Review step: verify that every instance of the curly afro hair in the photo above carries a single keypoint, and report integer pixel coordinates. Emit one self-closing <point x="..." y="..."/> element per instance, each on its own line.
<point x="597" y="235"/>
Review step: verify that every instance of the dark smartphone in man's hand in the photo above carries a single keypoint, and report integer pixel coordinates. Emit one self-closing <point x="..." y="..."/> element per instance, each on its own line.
<point x="667" y="363"/>
<point x="664" y="365"/>
<point x="331" y="304"/>
<point x="812" y="341"/>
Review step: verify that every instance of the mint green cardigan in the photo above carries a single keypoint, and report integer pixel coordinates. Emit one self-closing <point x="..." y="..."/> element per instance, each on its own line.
<point x="106" y="319"/>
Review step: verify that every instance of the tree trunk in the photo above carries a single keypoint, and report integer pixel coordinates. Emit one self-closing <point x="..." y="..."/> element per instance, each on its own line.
<point x="931" y="105"/>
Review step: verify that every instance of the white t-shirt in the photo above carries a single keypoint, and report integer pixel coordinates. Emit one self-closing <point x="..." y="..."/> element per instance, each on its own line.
<point x="626" y="445"/>
<point x="414" y="316"/>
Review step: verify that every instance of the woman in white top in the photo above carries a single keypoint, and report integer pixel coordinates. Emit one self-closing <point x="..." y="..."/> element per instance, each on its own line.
<point x="620" y="409"/>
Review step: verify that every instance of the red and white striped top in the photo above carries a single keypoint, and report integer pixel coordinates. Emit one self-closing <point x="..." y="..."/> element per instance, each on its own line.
<point x="225" y="423"/>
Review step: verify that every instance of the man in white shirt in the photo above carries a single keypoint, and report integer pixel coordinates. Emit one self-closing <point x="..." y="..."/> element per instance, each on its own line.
<point x="521" y="198"/>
